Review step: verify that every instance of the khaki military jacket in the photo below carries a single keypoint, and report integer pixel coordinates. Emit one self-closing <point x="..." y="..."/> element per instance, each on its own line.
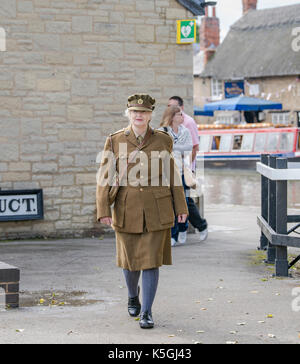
<point x="151" y="192"/>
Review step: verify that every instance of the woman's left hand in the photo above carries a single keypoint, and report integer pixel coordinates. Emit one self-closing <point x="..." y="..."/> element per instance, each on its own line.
<point x="182" y="218"/>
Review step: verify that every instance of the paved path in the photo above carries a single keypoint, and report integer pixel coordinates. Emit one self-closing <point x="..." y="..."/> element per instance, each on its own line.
<point x="215" y="292"/>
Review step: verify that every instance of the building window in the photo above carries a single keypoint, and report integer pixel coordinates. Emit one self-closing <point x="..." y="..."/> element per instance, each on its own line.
<point x="260" y="142"/>
<point x="281" y="118"/>
<point x="286" y="142"/>
<point x="216" y="89"/>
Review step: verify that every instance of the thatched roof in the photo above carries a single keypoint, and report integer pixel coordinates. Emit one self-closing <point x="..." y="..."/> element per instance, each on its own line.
<point x="258" y="45"/>
<point x="194" y="6"/>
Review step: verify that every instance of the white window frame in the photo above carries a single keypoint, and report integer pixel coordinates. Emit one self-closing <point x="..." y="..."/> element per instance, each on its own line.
<point x="281" y="118"/>
<point x="216" y="89"/>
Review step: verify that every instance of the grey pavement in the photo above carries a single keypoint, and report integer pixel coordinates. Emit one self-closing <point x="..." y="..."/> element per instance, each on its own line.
<point x="217" y="291"/>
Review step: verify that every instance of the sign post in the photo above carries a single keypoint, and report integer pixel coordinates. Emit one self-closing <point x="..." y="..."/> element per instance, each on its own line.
<point x="186" y="31"/>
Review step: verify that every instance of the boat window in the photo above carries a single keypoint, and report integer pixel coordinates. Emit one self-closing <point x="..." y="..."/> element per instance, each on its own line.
<point x="247" y="144"/>
<point x="215" y="142"/>
<point x="260" y="142"/>
<point x="237" y="142"/>
<point x="286" y="141"/>
<point x="204" y="143"/>
<point x="273" y="139"/>
<point x="225" y="144"/>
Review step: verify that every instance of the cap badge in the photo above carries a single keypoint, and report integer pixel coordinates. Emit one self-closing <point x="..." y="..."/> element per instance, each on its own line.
<point x="140" y="101"/>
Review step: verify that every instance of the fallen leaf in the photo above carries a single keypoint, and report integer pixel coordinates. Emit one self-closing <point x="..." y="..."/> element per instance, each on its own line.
<point x="233" y="332"/>
<point x="231" y="342"/>
<point x="171" y="335"/>
<point x="271" y="336"/>
<point x="261" y="322"/>
<point x="200" y="332"/>
<point x="241" y="323"/>
<point x="20" y="330"/>
<point x="269" y="316"/>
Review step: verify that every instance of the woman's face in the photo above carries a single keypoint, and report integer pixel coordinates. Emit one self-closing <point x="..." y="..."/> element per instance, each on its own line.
<point x="140" y="118"/>
<point x="178" y="118"/>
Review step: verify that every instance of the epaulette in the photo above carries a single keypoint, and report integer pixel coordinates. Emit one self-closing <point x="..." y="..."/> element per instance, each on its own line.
<point x="162" y="131"/>
<point x="117" y="132"/>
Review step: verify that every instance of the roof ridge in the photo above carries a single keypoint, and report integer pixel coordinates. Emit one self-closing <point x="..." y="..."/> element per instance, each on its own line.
<point x="268" y="18"/>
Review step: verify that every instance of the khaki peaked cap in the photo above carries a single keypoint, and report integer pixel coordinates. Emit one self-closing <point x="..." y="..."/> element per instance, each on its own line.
<point x="141" y="102"/>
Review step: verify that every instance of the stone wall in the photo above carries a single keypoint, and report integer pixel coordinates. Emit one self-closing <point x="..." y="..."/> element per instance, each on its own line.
<point x="65" y="76"/>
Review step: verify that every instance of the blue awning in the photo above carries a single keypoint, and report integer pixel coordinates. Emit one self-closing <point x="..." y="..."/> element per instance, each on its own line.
<point x="244" y="103"/>
<point x="199" y="111"/>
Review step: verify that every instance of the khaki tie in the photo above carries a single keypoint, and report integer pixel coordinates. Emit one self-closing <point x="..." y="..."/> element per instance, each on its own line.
<point x="140" y="139"/>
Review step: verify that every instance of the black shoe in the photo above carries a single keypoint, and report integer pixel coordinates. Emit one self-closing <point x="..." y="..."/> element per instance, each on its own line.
<point x="146" y="320"/>
<point x="134" y="306"/>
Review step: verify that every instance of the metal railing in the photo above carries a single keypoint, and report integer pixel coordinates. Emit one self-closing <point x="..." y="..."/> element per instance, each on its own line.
<point x="273" y="222"/>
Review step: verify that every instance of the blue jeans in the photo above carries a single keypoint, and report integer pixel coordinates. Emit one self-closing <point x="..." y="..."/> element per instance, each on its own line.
<point x="182" y="226"/>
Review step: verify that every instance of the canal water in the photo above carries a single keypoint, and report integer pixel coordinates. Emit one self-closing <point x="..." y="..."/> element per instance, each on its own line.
<point x="240" y="187"/>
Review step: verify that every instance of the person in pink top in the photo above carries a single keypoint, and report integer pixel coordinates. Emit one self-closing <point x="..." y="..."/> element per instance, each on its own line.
<point x="194" y="216"/>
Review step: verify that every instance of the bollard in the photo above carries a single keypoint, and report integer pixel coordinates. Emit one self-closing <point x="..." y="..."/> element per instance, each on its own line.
<point x="9" y="283"/>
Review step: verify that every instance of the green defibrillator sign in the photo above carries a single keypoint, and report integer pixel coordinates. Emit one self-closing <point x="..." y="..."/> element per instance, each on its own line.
<point x="186" y="31"/>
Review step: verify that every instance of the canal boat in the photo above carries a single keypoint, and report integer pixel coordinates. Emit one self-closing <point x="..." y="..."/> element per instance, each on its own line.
<point x="241" y="146"/>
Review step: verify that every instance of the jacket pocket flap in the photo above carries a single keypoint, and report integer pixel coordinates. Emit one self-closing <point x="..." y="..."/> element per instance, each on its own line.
<point x="162" y="193"/>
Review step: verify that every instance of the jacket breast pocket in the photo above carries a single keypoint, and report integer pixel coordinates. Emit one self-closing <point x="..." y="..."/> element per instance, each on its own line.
<point x="119" y="209"/>
<point x="164" y="204"/>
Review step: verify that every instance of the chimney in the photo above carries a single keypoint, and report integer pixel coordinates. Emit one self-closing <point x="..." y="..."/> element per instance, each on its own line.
<point x="249" y="5"/>
<point x="209" y="34"/>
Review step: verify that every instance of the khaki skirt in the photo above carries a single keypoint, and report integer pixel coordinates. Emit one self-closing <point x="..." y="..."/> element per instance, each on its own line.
<point x="143" y="251"/>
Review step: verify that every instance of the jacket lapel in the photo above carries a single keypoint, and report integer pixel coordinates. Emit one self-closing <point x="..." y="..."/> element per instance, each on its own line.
<point x="130" y="136"/>
<point x="148" y="137"/>
<point x="133" y="140"/>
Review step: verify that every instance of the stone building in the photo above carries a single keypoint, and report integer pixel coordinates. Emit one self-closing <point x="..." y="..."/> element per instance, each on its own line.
<point x="65" y="75"/>
<point x="260" y="54"/>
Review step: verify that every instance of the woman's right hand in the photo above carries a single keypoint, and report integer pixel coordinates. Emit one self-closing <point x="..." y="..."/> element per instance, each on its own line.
<point x="106" y="220"/>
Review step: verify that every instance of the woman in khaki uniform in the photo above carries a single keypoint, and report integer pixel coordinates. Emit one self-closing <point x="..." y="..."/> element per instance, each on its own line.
<point x="143" y="212"/>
